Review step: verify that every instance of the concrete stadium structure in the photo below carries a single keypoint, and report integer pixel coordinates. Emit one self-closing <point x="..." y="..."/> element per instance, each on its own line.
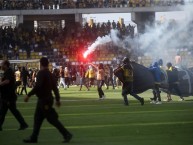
<point x="139" y="15"/>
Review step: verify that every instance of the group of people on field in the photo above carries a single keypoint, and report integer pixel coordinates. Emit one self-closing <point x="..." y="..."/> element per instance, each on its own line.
<point x="45" y="84"/>
<point x="89" y="75"/>
<point x="47" y="81"/>
<point x="83" y="75"/>
<point x="172" y="81"/>
<point x="24" y="78"/>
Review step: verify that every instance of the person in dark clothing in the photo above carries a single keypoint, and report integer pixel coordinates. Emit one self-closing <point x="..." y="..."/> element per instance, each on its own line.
<point x="106" y="69"/>
<point x="43" y="89"/>
<point x="82" y="72"/>
<point x="9" y="97"/>
<point x="24" y="76"/>
<point x="30" y="77"/>
<point x="73" y="76"/>
<point x="160" y="63"/>
<point x="110" y="77"/>
<point x="155" y="69"/>
<point x="56" y="75"/>
<point x="127" y="81"/>
<point x="173" y="81"/>
<point x="113" y="24"/>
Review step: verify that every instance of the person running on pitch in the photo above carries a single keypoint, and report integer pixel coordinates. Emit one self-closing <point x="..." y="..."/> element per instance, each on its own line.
<point x="127" y="80"/>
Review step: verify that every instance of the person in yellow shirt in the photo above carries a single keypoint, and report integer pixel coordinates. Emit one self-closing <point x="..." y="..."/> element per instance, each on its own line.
<point x="90" y="74"/>
<point x="127" y="80"/>
<point x="18" y="80"/>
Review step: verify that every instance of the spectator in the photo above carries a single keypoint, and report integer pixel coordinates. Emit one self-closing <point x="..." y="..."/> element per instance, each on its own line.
<point x="24" y="77"/>
<point x="173" y="82"/>
<point x="18" y="80"/>
<point x="90" y="74"/>
<point x="83" y="80"/>
<point x="100" y="79"/>
<point x="178" y="59"/>
<point x="67" y="76"/>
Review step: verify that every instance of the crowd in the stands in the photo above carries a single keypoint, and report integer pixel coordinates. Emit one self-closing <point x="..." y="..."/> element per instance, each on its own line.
<point x="66" y="4"/>
<point x="13" y="40"/>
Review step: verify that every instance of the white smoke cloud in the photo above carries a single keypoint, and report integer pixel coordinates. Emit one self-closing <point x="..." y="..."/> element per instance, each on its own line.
<point x="112" y="37"/>
<point x="103" y="40"/>
<point x="159" y="41"/>
<point x="164" y="40"/>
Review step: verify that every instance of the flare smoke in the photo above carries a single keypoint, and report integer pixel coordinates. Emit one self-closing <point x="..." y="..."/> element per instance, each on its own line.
<point x="157" y="41"/>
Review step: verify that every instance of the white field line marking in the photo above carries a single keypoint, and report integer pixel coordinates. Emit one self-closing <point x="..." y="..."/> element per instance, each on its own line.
<point x="115" y="125"/>
<point x="108" y="113"/>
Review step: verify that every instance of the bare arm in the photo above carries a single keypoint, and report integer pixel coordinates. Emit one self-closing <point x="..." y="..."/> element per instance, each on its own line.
<point x="93" y="65"/>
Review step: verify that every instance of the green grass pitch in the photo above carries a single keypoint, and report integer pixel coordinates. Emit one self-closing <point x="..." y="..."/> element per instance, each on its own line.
<point x="108" y="122"/>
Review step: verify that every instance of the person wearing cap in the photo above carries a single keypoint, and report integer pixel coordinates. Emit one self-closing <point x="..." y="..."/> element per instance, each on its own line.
<point x="173" y="81"/>
<point x="127" y="81"/>
<point x="8" y="96"/>
<point x="44" y="110"/>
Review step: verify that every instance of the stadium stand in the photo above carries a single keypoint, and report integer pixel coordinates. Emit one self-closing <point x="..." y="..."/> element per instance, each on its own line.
<point x="66" y="4"/>
<point x="69" y="44"/>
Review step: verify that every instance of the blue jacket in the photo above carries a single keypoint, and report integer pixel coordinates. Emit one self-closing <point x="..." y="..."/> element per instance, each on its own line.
<point x="155" y="69"/>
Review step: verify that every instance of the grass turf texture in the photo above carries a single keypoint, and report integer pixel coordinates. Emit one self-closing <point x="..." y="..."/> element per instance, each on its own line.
<point x="108" y="122"/>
